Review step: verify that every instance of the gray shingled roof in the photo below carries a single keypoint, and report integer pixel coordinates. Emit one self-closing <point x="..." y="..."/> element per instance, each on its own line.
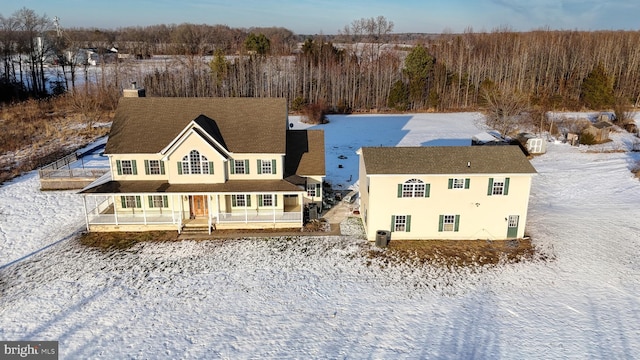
<point x="247" y="125"/>
<point x="446" y="160"/>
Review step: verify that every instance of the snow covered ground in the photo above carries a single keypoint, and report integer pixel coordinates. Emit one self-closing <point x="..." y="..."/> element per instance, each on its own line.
<point x="345" y="134"/>
<point x="321" y="297"/>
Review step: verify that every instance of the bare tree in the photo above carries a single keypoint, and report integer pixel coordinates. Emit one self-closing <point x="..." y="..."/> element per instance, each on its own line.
<point x="504" y="110"/>
<point x="33" y="29"/>
<point x="8" y="47"/>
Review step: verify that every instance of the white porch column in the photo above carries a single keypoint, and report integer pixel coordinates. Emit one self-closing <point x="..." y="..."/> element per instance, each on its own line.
<point x="217" y="207"/>
<point x="209" y="211"/>
<point x="86" y="216"/>
<point x="144" y="212"/>
<point x="115" y="208"/>
<point x="181" y="213"/>
<point x="301" y="202"/>
<point x="173" y="209"/>
<point x="246" y="211"/>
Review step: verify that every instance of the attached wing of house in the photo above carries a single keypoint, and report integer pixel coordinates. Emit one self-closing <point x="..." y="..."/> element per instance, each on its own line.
<point x="470" y="192"/>
<point x="205" y="162"/>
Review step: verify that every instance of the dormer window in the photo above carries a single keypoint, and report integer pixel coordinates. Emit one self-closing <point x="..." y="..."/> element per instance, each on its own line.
<point x="195" y="163"/>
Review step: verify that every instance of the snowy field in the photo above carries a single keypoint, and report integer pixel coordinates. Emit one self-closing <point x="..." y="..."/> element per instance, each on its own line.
<point x="320" y="297"/>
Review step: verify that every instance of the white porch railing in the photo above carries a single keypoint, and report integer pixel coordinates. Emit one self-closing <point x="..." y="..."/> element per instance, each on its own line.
<point x="112" y="219"/>
<point x="101" y="210"/>
<point x="262" y="216"/>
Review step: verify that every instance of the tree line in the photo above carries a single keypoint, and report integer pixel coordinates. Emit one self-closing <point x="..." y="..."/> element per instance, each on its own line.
<point x="363" y="67"/>
<point x="547" y="68"/>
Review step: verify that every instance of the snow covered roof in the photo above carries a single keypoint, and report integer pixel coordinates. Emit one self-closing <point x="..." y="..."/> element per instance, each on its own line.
<point x="486" y="137"/>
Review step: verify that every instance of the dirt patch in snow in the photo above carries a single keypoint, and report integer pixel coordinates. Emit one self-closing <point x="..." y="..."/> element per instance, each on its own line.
<point x="124" y="240"/>
<point x="457" y="252"/>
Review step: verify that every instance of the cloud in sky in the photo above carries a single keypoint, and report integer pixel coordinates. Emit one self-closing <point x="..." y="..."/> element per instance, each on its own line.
<point x="329" y="16"/>
<point x="570" y="14"/>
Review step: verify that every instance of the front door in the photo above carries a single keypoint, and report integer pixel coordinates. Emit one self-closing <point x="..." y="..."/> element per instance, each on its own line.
<point x="512" y="230"/>
<point x="198" y="204"/>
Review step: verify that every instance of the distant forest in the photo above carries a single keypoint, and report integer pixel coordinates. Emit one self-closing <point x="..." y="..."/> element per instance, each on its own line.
<point x="365" y="67"/>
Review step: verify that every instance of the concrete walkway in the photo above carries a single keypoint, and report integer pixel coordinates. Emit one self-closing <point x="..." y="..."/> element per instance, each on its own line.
<point x="339" y="212"/>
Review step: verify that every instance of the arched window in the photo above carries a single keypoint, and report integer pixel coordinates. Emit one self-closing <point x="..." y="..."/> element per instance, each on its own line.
<point x="194" y="163"/>
<point x="413" y="188"/>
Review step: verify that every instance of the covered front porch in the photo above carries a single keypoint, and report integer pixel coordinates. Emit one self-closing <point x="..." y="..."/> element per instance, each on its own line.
<point x="161" y="211"/>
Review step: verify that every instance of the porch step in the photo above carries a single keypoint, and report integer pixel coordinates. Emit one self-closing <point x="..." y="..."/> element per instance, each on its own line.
<point x="195" y="228"/>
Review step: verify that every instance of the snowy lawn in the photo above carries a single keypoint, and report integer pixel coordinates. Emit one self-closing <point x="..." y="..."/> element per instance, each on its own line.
<point x="323" y="297"/>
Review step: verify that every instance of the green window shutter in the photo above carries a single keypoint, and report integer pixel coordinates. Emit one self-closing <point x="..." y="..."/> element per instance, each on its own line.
<point x="506" y="186"/>
<point x="135" y="168"/>
<point x="450" y="183"/>
<point x="232" y="166"/>
<point x="259" y="200"/>
<point x="393" y="223"/>
<point x="408" y="224"/>
<point x="427" y="190"/>
<point x="259" y="167"/>
<point x="273" y="166"/>
<point x="119" y="166"/>
<point x="467" y="183"/>
<point x="246" y="166"/>
<point x="399" y="190"/>
<point x="210" y="167"/>
<point x="138" y="202"/>
<point x="179" y="167"/>
<point x="146" y="167"/>
<point x="275" y="199"/>
<point x="456" y="226"/>
<point x="165" y="201"/>
<point x="318" y="190"/>
<point x="161" y="167"/>
<point x="123" y="202"/>
<point x="150" y="200"/>
<point x="490" y="189"/>
<point x="233" y="200"/>
<point x="248" y="199"/>
<point x="441" y="223"/>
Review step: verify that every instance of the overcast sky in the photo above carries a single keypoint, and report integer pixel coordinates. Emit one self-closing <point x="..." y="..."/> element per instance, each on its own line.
<point x="330" y="16"/>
